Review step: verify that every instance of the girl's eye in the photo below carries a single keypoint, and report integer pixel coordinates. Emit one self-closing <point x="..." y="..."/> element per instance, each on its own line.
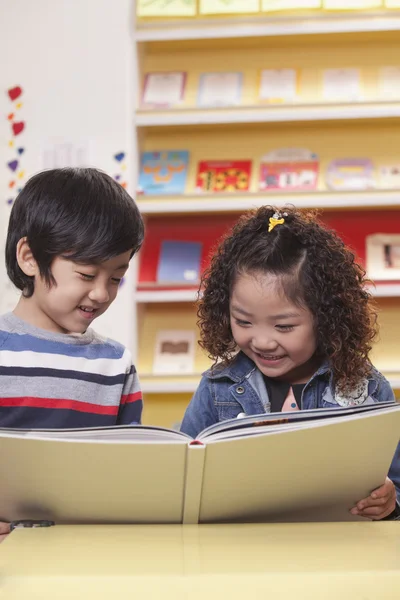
<point x="284" y="327"/>
<point x="86" y="277"/>
<point x="242" y="323"/>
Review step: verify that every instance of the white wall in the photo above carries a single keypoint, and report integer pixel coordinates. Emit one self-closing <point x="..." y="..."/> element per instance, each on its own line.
<point x="73" y="59"/>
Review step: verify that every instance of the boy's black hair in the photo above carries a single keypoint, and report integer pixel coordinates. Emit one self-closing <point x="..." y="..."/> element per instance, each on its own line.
<point x="79" y="214"/>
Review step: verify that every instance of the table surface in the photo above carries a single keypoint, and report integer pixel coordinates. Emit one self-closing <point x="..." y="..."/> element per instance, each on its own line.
<point x="329" y="561"/>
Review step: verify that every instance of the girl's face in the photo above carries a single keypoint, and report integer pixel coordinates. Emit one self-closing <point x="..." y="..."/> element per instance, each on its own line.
<point x="276" y="334"/>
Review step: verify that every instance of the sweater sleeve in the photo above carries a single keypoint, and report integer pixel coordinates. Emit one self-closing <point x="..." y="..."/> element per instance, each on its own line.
<point x="131" y="405"/>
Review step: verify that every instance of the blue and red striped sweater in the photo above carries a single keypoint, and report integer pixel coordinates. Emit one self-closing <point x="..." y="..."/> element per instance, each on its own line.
<point x="55" y="380"/>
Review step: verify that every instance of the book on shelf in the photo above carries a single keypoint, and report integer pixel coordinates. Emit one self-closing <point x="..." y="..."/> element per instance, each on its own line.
<point x="161" y="8"/>
<point x="350" y="174"/>
<point x="223" y="176"/>
<point x="389" y="83"/>
<point x="341" y="85"/>
<point x="304" y="466"/>
<point x="163" y="172"/>
<point x="351" y="4"/>
<point x="277" y="5"/>
<point x="164" y="89"/>
<point x="389" y="176"/>
<point x="232" y="7"/>
<point x="278" y="86"/>
<point x="220" y="89"/>
<point x="179" y="262"/>
<point x="289" y="170"/>
<point x="174" y="352"/>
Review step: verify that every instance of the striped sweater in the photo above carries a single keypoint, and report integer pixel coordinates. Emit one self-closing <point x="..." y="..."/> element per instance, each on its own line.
<point x="55" y="380"/>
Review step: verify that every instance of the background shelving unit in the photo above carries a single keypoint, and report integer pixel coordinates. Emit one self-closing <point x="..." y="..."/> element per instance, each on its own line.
<point x="369" y="128"/>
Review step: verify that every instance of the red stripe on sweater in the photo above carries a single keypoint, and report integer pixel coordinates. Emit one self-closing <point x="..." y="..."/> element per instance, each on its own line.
<point x="129" y="398"/>
<point x="56" y="403"/>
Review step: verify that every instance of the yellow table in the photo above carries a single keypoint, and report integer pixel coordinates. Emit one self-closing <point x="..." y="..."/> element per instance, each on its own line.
<point x="330" y="561"/>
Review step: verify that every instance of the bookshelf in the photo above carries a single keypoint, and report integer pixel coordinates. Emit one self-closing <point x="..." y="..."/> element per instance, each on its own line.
<point x="369" y="127"/>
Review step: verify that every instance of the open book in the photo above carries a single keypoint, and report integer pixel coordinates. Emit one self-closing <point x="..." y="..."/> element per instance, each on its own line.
<point x="304" y="466"/>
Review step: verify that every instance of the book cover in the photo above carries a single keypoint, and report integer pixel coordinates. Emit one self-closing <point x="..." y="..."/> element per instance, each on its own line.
<point x="174" y="352"/>
<point x="220" y="7"/>
<point x="163" y="90"/>
<point x="351" y="4"/>
<point x="389" y="83"/>
<point x="166" y="8"/>
<point x="220" y="89"/>
<point x="223" y="176"/>
<point x="288" y="170"/>
<point x="278" y="86"/>
<point x="350" y="174"/>
<point x="163" y="172"/>
<point x="276" y="5"/>
<point x="179" y="262"/>
<point x="389" y="176"/>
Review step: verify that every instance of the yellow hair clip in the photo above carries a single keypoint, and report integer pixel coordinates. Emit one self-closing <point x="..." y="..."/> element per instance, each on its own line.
<point x="276" y="219"/>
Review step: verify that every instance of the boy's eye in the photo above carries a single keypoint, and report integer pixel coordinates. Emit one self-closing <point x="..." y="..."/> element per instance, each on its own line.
<point x="86" y="276"/>
<point x="116" y="280"/>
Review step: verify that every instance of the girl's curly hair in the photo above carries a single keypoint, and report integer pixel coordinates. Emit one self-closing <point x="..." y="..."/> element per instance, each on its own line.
<point x="318" y="271"/>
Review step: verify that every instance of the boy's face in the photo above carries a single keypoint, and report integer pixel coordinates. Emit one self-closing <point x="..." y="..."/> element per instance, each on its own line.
<point x="82" y="293"/>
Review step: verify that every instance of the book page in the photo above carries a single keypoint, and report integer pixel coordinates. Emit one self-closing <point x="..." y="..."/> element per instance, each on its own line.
<point x="166" y="8"/>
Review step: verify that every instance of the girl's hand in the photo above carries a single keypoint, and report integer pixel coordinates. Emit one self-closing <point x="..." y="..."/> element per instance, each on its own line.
<point x="4" y="530"/>
<point x="379" y="504"/>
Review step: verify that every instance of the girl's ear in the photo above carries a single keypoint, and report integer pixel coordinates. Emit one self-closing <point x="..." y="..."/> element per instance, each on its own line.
<point x="25" y="260"/>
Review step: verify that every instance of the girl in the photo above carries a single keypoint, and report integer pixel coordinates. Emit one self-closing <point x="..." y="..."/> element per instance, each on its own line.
<point x="287" y="319"/>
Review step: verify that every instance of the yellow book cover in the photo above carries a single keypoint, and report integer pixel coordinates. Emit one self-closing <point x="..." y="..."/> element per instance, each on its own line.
<point x="351" y="4"/>
<point x="275" y="5"/>
<point x="221" y="7"/>
<point x="392" y="3"/>
<point x="166" y="8"/>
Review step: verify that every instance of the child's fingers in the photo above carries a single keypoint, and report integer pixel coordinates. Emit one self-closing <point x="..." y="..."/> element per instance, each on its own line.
<point x="4" y="528"/>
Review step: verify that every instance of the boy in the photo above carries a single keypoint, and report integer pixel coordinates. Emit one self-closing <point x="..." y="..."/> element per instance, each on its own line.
<point x="71" y="235"/>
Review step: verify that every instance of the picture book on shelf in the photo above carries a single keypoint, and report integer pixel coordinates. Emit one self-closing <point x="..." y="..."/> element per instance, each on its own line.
<point x="171" y="8"/>
<point x="389" y="83"/>
<point x="350" y="174"/>
<point x="220" y="89"/>
<point x="289" y="169"/>
<point x="342" y="85"/>
<point x="163" y="172"/>
<point x="276" y="5"/>
<point x="219" y="7"/>
<point x="163" y="90"/>
<point x="304" y="466"/>
<point x="179" y="262"/>
<point x="278" y="86"/>
<point x="223" y="176"/>
<point x="174" y="352"/>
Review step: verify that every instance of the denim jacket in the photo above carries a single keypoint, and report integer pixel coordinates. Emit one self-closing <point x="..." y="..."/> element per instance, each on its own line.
<point x="239" y="388"/>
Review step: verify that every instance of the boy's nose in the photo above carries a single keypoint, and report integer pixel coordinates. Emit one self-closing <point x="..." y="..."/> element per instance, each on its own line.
<point x="99" y="294"/>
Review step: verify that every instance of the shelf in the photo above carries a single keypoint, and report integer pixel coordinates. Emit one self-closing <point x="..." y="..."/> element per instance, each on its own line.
<point x="143" y="296"/>
<point x="266" y="26"/>
<point x="196" y="203"/>
<point x="268" y="114"/>
<point x="385" y="290"/>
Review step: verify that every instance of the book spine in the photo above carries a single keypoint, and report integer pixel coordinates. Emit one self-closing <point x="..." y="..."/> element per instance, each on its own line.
<point x="195" y="457"/>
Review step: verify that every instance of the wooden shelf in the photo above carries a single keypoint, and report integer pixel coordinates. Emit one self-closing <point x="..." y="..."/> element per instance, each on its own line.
<point x="267" y="114"/>
<point x="266" y="26"/>
<point x="210" y="203"/>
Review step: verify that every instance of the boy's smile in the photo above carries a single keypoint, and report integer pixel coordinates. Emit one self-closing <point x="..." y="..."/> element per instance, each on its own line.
<point x="81" y="293"/>
<point x="275" y="333"/>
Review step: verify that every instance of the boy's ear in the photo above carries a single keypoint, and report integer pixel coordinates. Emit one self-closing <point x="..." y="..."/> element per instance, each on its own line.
<point x="26" y="262"/>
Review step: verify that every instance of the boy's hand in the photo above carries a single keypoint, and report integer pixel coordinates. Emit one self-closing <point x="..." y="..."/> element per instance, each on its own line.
<point x="4" y="530"/>
<point x="379" y="504"/>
